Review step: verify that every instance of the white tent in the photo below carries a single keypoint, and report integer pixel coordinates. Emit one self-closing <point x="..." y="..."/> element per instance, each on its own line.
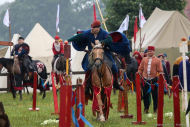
<point x="77" y="58"/>
<point x="3" y="79"/>
<point x="40" y="43"/>
<point x="164" y="30"/>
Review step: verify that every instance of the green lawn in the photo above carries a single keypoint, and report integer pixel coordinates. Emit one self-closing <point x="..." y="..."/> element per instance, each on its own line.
<point x="20" y="116"/>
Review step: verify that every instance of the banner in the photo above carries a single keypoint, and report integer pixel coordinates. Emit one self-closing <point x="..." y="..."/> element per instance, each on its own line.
<point x="124" y="25"/>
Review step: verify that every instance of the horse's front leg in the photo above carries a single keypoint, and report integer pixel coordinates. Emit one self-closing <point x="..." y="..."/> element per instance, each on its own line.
<point x="27" y="90"/>
<point x="20" y="92"/>
<point x="14" y="94"/>
<point x="44" y="95"/>
<point x="102" y="118"/>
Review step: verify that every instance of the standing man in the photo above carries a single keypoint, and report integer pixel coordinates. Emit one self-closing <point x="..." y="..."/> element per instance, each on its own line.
<point x="148" y="69"/>
<point x="57" y="49"/>
<point x="97" y="35"/>
<point x="21" y="51"/>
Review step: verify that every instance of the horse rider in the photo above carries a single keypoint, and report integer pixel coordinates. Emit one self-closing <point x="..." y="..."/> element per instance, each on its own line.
<point x="21" y="51"/>
<point x="148" y="69"/>
<point x="57" y="49"/>
<point x="94" y="35"/>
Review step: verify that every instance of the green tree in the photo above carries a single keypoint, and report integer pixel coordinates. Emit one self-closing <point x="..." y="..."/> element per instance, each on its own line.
<point x="118" y="9"/>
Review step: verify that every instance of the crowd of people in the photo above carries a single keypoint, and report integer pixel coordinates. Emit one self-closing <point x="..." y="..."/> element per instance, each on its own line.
<point x="149" y="68"/>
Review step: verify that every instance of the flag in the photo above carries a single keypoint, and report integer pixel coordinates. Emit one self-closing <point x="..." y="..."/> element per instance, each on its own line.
<point x="141" y="18"/>
<point x="124" y="25"/>
<point x="94" y="12"/>
<point x="57" y="19"/>
<point x="135" y="29"/>
<point x="6" y="18"/>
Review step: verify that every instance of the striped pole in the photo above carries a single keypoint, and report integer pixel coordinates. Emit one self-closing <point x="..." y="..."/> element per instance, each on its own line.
<point x="101" y="15"/>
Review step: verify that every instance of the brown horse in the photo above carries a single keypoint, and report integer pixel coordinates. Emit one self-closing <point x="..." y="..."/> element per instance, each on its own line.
<point x="102" y="82"/>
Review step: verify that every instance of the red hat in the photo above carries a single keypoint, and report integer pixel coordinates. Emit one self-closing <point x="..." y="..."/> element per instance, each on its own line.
<point x="136" y="52"/>
<point x="151" y="48"/>
<point x="160" y="55"/>
<point x="56" y="37"/>
<point x="96" y="23"/>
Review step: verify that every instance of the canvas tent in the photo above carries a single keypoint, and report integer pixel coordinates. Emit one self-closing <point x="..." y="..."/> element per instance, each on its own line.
<point x="77" y="58"/>
<point x="40" y="43"/>
<point x="3" y="51"/>
<point x="164" y="30"/>
<point x="3" y="79"/>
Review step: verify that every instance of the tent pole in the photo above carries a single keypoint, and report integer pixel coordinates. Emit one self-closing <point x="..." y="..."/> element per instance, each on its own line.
<point x="140" y="40"/>
<point x="9" y="32"/>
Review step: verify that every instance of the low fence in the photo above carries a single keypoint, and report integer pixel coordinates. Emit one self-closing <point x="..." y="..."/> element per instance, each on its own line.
<point x="8" y="79"/>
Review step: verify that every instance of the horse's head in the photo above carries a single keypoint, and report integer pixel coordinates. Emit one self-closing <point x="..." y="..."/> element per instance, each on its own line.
<point x="97" y="54"/>
<point x="61" y="64"/>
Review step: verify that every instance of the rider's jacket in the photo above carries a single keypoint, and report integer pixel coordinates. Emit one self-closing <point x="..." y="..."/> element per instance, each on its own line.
<point x="20" y="50"/>
<point x="58" y="48"/>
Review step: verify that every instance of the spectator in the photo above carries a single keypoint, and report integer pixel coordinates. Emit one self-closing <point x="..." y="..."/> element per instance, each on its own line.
<point x="138" y="57"/>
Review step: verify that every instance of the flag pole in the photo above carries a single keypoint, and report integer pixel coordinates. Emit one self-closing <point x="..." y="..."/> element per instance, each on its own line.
<point x="127" y="28"/>
<point x="9" y="31"/>
<point x="57" y="20"/>
<point x="101" y="15"/>
<point x="140" y="27"/>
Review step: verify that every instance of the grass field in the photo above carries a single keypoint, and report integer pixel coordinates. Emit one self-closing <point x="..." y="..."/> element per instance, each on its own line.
<point x="20" y="116"/>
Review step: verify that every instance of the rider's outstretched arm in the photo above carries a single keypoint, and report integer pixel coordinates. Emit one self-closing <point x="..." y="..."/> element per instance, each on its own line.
<point x="108" y="40"/>
<point x="77" y="37"/>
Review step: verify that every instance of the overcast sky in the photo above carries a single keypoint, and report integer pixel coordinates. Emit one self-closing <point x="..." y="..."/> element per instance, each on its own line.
<point x="4" y="1"/>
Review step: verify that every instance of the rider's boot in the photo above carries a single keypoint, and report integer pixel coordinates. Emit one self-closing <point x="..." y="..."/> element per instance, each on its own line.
<point x="115" y="84"/>
<point x="87" y="82"/>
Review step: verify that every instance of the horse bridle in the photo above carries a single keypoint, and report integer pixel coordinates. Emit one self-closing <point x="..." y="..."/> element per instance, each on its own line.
<point x="101" y="62"/>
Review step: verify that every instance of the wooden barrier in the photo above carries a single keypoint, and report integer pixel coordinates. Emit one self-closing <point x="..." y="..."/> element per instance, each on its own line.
<point x="176" y="102"/>
<point x="138" y="99"/>
<point x="125" y="92"/>
<point x="161" y="83"/>
<point x="65" y="102"/>
<point x="54" y="95"/>
<point x="80" y="98"/>
<point x="35" y="77"/>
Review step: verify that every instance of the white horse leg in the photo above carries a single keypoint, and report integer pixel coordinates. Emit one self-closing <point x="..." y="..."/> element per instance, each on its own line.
<point x="102" y="118"/>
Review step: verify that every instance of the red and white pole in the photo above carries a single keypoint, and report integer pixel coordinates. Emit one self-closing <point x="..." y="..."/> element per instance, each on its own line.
<point x="80" y="98"/>
<point x="54" y="95"/>
<point x="138" y="95"/>
<point x="35" y="77"/>
<point x="176" y="102"/>
<point x="160" y="100"/>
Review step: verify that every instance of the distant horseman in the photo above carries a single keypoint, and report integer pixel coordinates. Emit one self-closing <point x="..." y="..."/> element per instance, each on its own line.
<point x="21" y="51"/>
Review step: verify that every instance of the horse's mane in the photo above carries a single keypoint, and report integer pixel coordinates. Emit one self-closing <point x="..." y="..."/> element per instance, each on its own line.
<point x="6" y="61"/>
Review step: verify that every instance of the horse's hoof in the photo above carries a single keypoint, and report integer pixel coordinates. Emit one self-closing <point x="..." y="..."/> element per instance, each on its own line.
<point x="20" y="99"/>
<point x="102" y="118"/>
